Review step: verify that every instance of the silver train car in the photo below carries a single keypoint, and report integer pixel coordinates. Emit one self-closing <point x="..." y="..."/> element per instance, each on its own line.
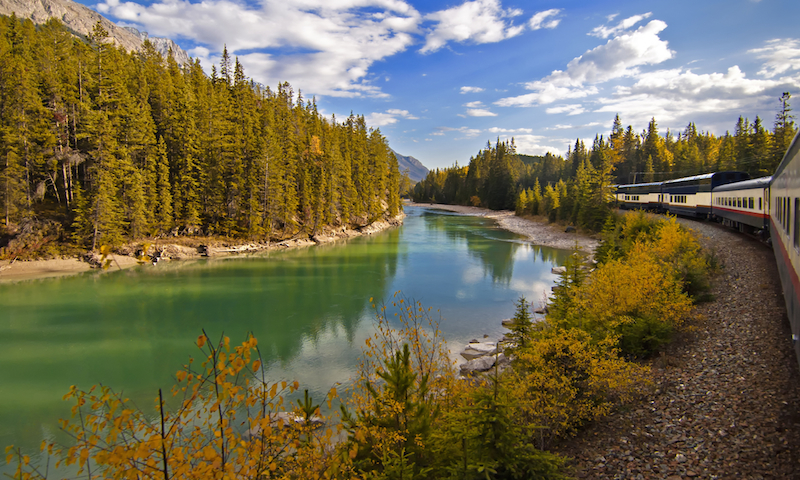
<point x="743" y="205"/>
<point x="688" y="196"/>
<point x="691" y="196"/>
<point x="784" y="223"/>
<point x="645" y="196"/>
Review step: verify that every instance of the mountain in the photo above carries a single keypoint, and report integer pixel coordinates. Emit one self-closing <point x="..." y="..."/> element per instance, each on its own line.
<point x="81" y="20"/>
<point x="416" y="170"/>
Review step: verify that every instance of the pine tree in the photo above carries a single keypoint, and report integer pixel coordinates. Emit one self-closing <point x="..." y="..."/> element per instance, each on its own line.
<point x="783" y="131"/>
<point x="536" y="198"/>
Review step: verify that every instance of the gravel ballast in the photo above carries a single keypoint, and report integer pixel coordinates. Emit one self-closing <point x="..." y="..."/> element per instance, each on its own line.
<point x="725" y="403"/>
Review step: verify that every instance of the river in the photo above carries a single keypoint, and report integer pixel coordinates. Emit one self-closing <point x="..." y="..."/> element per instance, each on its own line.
<point x="309" y="308"/>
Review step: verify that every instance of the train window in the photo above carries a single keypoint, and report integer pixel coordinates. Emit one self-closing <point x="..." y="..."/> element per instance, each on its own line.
<point x="738" y="202"/>
<point x="796" y="222"/>
<point x="788" y="213"/>
<point x="750" y="203"/>
<point x="759" y="203"/>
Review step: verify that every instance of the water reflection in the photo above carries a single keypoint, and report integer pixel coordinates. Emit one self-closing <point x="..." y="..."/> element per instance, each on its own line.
<point x="494" y="248"/>
<point x="133" y="329"/>
<point x="308" y="308"/>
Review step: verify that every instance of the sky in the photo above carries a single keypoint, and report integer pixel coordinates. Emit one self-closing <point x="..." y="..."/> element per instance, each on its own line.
<point x="442" y="78"/>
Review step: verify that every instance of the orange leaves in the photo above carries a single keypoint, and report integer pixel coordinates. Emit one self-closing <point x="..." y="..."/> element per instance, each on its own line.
<point x="203" y="437"/>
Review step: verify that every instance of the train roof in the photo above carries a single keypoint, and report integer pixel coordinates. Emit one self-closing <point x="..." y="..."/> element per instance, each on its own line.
<point x="704" y="176"/>
<point x="688" y="179"/>
<point x="762" y="182"/>
<point x="649" y="184"/>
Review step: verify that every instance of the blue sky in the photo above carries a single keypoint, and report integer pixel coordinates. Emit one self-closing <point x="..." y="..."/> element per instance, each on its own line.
<point x="441" y="78"/>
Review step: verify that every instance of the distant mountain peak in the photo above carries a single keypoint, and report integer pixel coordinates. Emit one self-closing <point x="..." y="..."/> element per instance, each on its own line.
<point x="81" y="20"/>
<point x="416" y="170"/>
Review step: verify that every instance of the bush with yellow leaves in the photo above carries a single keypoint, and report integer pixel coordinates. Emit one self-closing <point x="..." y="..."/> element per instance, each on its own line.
<point x="230" y="423"/>
<point x="564" y="379"/>
<point x="640" y="294"/>
<point x="405" y="378"/>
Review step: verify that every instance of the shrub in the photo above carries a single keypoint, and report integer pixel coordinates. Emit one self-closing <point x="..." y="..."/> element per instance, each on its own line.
<point x="563" y="379"/>
<point x="227" y="425"/>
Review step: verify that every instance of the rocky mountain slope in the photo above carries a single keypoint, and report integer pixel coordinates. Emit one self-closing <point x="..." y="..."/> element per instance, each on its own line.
<point x="81" y="20"/>
<point x="416" y="170"/>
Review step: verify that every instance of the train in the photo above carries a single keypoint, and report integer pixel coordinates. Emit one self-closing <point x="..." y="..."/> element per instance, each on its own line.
<point x="768" y="207"/>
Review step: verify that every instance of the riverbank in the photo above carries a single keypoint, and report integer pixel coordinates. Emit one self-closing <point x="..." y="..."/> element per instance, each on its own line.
<point x="537" y="230"/>
<point x="176" y="249"/>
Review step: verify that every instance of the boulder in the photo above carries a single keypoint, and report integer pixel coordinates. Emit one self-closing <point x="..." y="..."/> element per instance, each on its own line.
<point x="507" y="322"/>
<point x="482" y="364"/>
<point x="570" y="229"/>
<point x="475" y="350"/>
<point x="558" y="270"/>
<point x="477" y="365"/>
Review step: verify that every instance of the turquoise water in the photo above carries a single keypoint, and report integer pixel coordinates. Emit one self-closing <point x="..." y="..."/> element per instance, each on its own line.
<point x="309" y="309"/>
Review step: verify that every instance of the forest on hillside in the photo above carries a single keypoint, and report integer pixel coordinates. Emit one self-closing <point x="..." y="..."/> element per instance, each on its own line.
<point x="99" y="146"/>
<point x="576" y="188"/>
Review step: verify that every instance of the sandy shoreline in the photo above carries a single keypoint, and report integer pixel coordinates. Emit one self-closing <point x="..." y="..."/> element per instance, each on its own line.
<point x="59" y="267"/>
<point x="538" y="232"/>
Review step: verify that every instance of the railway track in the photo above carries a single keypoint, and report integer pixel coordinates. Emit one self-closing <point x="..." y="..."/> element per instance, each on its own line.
<point x="725" y="402"/>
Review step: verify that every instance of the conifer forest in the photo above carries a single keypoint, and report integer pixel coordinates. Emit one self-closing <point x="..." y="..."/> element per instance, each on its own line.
<point x="111" y="146"/>
<point x="577" y="188"/>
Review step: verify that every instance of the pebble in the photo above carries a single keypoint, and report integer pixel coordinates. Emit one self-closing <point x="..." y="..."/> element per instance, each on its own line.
<point x="725" y="401"/>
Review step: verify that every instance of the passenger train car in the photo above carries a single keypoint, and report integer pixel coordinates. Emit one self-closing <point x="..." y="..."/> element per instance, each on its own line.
<point x="640" y="195"/>
<point x="768" y="205"/>
<point x="784" y="219"/>
<point x="743" y="205"/>
<point x="689" y="196"/>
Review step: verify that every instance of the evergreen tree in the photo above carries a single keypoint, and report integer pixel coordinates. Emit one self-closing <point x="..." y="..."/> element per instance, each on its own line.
<point x="783" y="130"/>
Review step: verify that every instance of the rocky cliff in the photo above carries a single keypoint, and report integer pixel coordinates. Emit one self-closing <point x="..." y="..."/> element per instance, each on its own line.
<point x="81" y="20"/>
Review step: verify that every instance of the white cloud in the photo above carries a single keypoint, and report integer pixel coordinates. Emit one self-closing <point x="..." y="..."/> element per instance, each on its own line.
<point x="338" y="40"/>
<point x="478" y="21"/>
<point x="678" y="95"/>
<point x="619" y="57"/>
<point x="389" y="117"/>
<point x="570" y="127"/>
<point x="540" y="20"/>
<point x="510" y="131"/>
<point x="604" y="32"/>
<point x="574" y="109"/>
<point x="471" y="90"/>
<point x="480" y="112"/>
<point x="781" y="55"/>
<point x="468" y="132"/>
<point x="476" y="109"/>
<point x="532" y="144"/>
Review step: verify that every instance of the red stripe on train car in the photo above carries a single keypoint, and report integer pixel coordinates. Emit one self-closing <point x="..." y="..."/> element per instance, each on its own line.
<point x="786" y="259"/>
<point x="743" y="212"/>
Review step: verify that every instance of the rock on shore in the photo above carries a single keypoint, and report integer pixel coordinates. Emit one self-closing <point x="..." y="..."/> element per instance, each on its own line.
<point x="192" y="248"/>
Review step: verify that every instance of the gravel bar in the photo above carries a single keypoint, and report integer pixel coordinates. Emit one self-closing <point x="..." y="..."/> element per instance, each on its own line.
<point x="725" y="402"/>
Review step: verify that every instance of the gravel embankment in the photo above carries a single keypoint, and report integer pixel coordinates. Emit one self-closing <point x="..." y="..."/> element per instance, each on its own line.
<point x="726" y="397"/>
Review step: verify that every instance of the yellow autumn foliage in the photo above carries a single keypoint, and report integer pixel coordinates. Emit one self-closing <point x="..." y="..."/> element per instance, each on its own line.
<point x="564" y="379"/>
<point x="230" y="423"/>
<point x="639" y="286"/>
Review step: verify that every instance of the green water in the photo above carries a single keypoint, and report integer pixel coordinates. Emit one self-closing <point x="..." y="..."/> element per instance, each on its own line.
<point x="309" y="309"/>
